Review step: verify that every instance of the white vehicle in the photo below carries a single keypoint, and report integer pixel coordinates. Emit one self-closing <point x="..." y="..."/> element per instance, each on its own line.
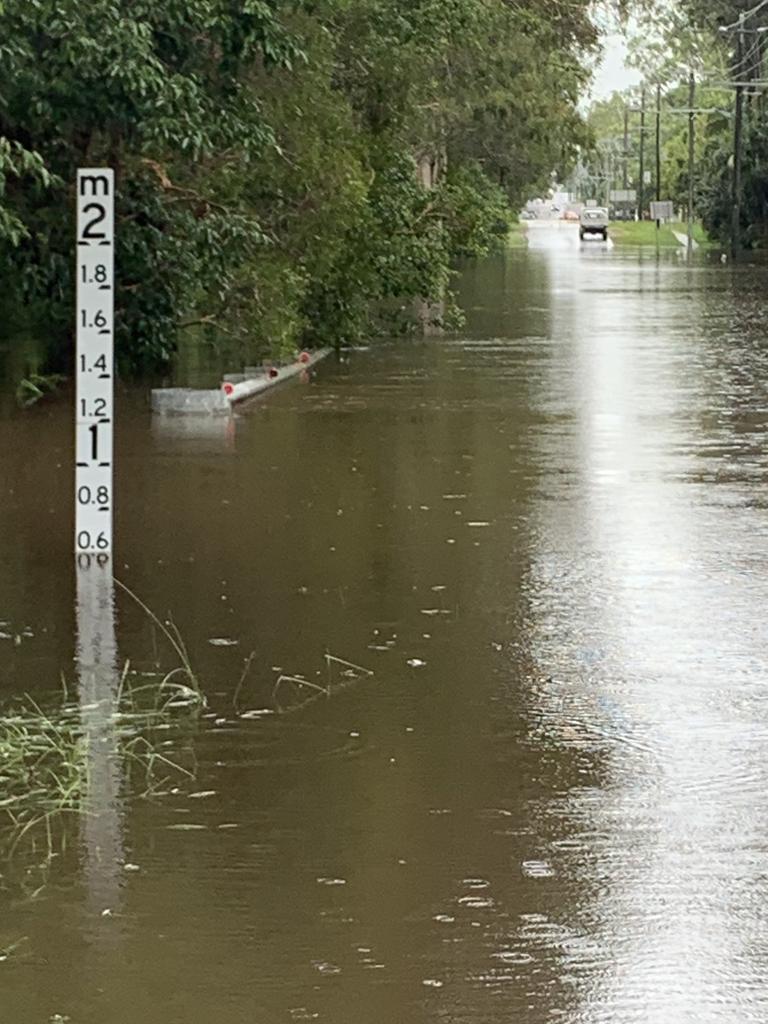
<point x="593" y="221"/>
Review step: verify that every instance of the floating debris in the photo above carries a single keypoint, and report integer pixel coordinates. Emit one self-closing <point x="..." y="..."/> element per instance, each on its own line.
<point x="476" y="902"/>
<point x="223" y="641"/>
<point x="537" y="869"/>
<point x="326" y="968"/>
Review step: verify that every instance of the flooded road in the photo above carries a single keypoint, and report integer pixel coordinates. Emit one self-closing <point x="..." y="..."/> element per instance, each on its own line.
<point x="547" y="539"/>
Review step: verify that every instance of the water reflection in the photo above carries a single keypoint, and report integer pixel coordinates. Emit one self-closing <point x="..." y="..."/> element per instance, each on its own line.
<point x="649" y="659"/>
<point x="99" y="696"/>
<point x="174" y="433"/>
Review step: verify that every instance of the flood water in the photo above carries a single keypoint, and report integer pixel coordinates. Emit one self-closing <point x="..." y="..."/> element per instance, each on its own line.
<point x="547" y="538"/>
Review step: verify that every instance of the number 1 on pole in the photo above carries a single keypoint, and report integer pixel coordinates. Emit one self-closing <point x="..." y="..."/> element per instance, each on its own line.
<point x="94" y="368"/>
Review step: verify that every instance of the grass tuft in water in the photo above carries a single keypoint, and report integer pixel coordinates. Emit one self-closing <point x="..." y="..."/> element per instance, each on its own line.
<point x="302" y="691"/>
<point x="170" y="631"/>
<point x="48" y="750"/>
<point x="45" y="757"/>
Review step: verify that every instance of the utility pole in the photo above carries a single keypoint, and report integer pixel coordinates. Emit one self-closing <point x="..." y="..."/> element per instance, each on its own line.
<point x="609" y="181"/>
<point x="691" y="154"/>
<point x="737" y="143"/>
<point x="625" y="184"/>
<point x="640" y="204"/>
<point x="658" y="146"/>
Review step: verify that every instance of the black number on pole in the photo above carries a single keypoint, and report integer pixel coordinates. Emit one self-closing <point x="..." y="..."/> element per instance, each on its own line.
<point x="94" y="441"/>
<point x="101" y="214"/>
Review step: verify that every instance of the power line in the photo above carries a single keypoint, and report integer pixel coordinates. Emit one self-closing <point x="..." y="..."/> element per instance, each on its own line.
<point x="743" y="17"/>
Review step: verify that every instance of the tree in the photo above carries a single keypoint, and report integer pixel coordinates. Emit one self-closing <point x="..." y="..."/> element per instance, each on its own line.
<point x="266" y="153"/>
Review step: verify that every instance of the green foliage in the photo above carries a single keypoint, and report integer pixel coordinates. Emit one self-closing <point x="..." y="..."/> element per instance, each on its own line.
<point x="645" y="233"/>
<point x="687" y="35"/>
<point x="162" y="93"/>
<point x="715" y="198"/>
<point x="267" y="153"/>
<point x="36" y="386"/>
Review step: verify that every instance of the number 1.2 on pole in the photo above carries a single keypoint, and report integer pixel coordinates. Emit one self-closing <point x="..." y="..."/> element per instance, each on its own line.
<point x="94" y="367"/>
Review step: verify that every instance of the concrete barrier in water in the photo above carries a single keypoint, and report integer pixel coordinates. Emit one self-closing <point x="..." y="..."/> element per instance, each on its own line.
<point x="235" y="389"/>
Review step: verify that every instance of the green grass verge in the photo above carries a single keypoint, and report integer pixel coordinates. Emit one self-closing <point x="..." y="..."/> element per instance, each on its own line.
<point x="516" y="239"/>
<point x="644" y="233"/>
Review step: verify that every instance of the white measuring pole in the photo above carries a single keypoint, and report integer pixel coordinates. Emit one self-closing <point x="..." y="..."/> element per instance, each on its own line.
<point x="97" y="654"/>
<point x="94" y="416"/>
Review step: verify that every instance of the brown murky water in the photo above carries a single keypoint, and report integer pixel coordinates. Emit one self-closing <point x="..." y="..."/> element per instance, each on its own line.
<point x="548" y="539"/>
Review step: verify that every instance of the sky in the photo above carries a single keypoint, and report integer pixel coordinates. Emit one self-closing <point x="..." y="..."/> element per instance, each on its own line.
<point x="613" y="73"/>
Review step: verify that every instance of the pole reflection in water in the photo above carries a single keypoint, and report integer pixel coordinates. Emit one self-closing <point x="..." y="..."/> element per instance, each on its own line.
<point x="99" y="683"/>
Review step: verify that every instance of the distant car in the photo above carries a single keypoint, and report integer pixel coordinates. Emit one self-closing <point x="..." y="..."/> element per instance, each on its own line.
<point x="527" y="215"/>
<point x="570" y="215"/>
<point x="593" y="221"/>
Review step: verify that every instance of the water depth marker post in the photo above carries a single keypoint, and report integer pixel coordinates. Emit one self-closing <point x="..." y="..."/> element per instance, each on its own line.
<point x="94" y="508"/>
<point x="95" y="360"/>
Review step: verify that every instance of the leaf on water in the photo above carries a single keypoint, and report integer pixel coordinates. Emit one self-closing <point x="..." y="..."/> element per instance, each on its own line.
<point x="202" y="794"/>
<point x="223" y="641"/>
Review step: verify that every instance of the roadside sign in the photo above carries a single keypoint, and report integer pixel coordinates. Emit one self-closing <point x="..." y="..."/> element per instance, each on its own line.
<point x="95" y="360"/>
<point x="662" y="211"/>
<point x="623" y="195"/>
